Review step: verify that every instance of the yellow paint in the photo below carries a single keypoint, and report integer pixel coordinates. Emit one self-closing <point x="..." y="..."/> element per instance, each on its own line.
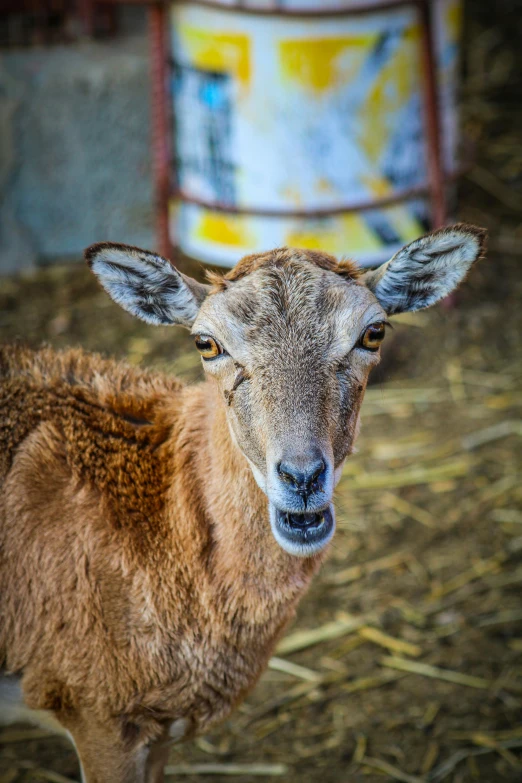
<point x="454" y="20"/>
<point x="174" y="209"/>
<point x="346" y="233"/>
<point x="401" y="219"/>
<point x="224" y="229"/>
<point x="322" y="63"/>
<point x="404" y="223"/>
<point x="323" y="241"/>
<point x="292" y="194"/>
<point x="392" y="88"/>
<point x="378" y="186"/>
<point x="295" y="196"/>
<point x="324" y="185"/>
<point x="221" y="52"/>
<point x="358" y="234"/>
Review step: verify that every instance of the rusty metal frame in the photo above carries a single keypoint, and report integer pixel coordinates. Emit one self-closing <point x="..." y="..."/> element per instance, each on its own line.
<point x="161" y="126"/>
<point x="362" y="7"/>
<point x="432" y="119"/>
<point x="163" y="117"/>
<point x="354" y="206"/>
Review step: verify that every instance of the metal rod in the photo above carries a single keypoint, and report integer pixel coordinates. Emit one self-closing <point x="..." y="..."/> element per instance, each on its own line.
<point x="277" y="9"/>
<point x="353" y="206"/>
<point x="160" y="124"/>
<point x="432" y="116"/>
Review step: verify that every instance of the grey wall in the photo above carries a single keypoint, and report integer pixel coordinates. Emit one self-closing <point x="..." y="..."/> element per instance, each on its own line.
<point x="74" y="149"/>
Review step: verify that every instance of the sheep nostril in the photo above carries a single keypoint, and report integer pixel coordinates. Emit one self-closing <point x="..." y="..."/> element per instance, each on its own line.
<point x="286" y="475"/>
<point x="320" y="468"/>
<point x="305" y="478"/>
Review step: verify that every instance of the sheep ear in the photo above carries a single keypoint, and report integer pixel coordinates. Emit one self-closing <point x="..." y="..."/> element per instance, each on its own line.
<point x="145" y="284"/>
<point x="427" y="269"/>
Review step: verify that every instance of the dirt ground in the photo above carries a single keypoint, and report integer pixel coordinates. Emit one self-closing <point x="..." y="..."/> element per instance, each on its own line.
<point x="414" y="670"/>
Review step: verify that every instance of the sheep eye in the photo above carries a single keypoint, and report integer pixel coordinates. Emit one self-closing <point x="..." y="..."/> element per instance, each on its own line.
<point x="207" y="346"/>
<point x="373" y="336"/>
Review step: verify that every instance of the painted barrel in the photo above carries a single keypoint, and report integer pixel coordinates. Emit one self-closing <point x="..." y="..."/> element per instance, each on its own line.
<point x="299" y="130"/>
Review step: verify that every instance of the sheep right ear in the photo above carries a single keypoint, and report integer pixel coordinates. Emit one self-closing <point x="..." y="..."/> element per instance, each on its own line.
<point x="426" y="270"/>
<point x="145" y="284"/>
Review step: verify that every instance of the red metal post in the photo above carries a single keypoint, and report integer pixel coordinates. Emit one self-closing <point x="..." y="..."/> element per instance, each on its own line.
<point x="161" y="137"/>
<point x="432" y="116"/>
<point x="86" y="14"/>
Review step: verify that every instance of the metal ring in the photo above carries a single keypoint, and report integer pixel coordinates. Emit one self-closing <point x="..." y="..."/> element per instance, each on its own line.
<point x="362" y="7"/>
<point x="324" y="212"/>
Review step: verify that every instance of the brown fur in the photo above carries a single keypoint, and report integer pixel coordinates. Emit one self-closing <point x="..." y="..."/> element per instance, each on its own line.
<point x="140" y="581"/>
<point x="280" y="259"/>
<point x="142" y="586"/>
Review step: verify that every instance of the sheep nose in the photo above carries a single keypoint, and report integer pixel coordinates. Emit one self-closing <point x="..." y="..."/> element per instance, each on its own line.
<point x="304" y="474"/>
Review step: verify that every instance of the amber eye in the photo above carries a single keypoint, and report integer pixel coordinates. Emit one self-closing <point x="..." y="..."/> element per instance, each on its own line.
<point x="207" y="346"/>
<point x="373" y="336"/>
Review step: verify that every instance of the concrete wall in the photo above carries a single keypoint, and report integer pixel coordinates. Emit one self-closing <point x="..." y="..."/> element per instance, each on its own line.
<point x="74" y="149"/>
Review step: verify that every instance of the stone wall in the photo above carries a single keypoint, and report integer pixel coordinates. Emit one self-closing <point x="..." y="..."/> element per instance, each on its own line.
<point x="75" y="164"/>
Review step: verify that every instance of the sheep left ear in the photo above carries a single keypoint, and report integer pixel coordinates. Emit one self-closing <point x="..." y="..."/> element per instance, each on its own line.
<point x="145" y="284"/>
<point x="428" y="269"/>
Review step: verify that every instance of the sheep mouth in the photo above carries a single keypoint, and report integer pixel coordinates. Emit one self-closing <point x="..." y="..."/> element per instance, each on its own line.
<point x="303" y="535"/>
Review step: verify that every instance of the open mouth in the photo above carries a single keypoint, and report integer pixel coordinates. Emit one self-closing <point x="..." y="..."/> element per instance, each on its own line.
<point x="302" y="534"/>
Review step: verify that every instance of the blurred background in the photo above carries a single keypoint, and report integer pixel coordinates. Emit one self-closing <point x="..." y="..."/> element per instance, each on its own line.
<point x="405" y="660"/>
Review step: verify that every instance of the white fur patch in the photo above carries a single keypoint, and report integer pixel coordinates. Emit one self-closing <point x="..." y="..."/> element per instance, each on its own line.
<point x="144" y="284"/>
<point x="338" y="472"/>
<point x="178" y="729"/>
<point x="426" y="270"/>
<point x="258" y="476"/>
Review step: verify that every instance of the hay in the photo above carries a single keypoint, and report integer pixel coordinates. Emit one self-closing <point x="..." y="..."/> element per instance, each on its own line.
<point x="255" y="770"/>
